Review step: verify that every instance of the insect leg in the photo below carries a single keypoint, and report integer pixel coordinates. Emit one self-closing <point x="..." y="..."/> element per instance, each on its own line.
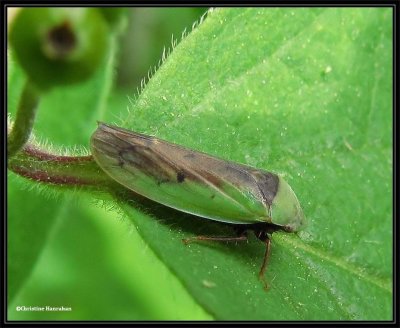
<point x="241" y="237"/>
<point x="265" y="261"/>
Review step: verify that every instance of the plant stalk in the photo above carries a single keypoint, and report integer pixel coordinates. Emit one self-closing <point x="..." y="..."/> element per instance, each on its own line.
<point x="25" y="118"/>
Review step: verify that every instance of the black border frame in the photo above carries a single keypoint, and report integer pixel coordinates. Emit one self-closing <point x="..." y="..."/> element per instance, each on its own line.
<point x="310" y="3"/>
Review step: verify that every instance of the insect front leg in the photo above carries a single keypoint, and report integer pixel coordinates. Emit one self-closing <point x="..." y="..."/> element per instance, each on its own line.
<point x="263" y="236"/>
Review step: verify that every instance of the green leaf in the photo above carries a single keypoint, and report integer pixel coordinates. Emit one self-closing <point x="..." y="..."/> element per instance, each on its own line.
<point x="305" y="93"/>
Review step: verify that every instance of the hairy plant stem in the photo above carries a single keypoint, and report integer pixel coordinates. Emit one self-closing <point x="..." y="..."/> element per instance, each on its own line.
<point x="68" y="171"/>
<point x="25" y="118"/>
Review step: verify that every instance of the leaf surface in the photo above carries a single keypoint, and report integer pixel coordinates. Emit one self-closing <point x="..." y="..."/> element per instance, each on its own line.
<point x="305" y="93"/>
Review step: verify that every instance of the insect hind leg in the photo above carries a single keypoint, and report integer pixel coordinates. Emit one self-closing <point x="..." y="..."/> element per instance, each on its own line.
<point x="241" y="236"/>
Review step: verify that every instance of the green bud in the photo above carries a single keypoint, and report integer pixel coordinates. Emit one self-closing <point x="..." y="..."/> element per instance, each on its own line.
<point x="57" y="46"/>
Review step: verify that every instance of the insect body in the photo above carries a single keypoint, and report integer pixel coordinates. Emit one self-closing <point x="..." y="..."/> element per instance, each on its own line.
<point x="198" y="183"/>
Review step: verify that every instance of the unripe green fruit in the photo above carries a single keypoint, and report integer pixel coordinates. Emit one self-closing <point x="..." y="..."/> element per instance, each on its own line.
<point x="59" y="46"/>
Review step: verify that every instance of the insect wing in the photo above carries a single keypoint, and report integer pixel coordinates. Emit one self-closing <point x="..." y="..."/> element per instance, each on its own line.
<point x="184" y="179"/>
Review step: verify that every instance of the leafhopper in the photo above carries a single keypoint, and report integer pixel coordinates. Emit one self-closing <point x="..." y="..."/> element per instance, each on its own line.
<point x="200" y="184"/>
